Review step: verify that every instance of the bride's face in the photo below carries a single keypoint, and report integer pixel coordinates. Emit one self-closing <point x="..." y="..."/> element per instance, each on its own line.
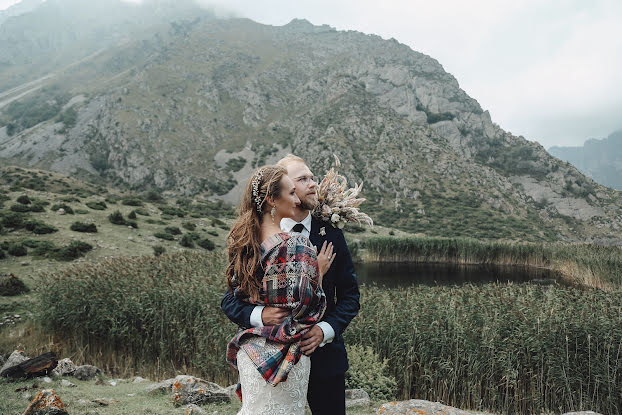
<point x="286" y="203"/>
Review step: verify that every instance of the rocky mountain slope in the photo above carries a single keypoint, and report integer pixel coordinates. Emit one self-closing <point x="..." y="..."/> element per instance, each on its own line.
<point x="599" y="159"/>
<point x="193" y="108"/>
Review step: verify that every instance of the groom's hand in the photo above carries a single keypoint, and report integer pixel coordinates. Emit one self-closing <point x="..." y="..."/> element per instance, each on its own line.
<point x="312" y="340"/>
<point x="273" y="316"/>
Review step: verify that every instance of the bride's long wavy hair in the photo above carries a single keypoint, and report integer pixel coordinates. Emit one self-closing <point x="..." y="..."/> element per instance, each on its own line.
<point x="244" y="238"/>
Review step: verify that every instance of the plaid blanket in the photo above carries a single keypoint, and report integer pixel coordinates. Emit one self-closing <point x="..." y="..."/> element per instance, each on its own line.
<point x="290" y="281"/>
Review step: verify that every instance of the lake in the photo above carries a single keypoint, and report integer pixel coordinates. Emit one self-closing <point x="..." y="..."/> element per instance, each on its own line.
<point x="399" y="274"/>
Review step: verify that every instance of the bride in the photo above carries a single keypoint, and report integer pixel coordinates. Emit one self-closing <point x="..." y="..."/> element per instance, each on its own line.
<point x="274" y="268"/>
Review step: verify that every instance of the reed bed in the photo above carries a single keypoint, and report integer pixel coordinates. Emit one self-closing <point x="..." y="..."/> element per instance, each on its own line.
<point x="591" y="265"/>
<point x="504" y="348"/>
<point x="157" y="312"/>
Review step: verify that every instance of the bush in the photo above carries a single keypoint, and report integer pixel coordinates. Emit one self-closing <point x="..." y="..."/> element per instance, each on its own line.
<point x="154" y="196"/>
<point x="39" y="228"/>
<point x="173" y="230"/>
<point x="164" y="235"/>
<point x="369" y="372"/>
<point x="96" y="205"/>
<point x="352" y="227"/>
<point x="20" y="208"/>
<point x="2" y="254"/>
<point x="24" y="200"/>
<point x="84" y="227"/>
<point x="142" y="211"/>
<point x="189" y="225"/>
<point x="11" y="285"/>
<point x="132" y="201"/>
<point x="117" y="218"/>
<point x="213" y="233"/>
<point x="64" y="206"/>
<point x="186" y="241"/>
<point x="132" y="223"/>
<point x="37" y="206"/>
<point x="206" y="244"/>
<point x="195" y="236"/>
<point x="74" y="250"/>
<point x="17" y="249"/>
<point x="158" y="250"/>
<point x="132" y="215"/>
<point x="172" y="211"/>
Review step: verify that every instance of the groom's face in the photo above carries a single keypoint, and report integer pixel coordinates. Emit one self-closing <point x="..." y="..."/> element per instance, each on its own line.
<point x="305" y="183"/>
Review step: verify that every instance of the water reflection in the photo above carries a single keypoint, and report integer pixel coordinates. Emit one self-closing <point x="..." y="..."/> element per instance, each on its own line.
<point x="402" y="274"/>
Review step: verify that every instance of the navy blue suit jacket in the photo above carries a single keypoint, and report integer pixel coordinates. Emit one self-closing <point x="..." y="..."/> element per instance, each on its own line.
<point x="342" y="298"/>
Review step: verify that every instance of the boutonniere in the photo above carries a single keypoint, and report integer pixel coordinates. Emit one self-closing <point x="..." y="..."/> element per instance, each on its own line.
<point x="322" y="231"/>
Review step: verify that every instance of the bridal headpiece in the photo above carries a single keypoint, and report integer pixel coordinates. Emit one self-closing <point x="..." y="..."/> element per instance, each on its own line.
<point x="255" y="190"/>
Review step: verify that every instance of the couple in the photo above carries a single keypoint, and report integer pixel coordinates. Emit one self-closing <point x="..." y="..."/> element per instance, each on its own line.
<point x="291" y="301"/>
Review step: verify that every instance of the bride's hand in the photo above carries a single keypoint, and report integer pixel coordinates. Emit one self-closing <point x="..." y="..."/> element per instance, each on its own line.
<point x="325" y="258"/>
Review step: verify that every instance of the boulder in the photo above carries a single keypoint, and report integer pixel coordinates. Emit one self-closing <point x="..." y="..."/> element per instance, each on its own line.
<point x="37" y="366"/>
<point x="46" y="403"/>
<point x="86" y="372"/>
<point x="161" y="387"/>
<point x="357" y="397"/>
<point x="67" y="384"/>
<point x="419" y="407"/>
<point x="14" y="359"/>
<point x="193" y="409"/>
<point x="65" y="367"/>
<point x="138" y="379"/>
<point x="191" y="390"/>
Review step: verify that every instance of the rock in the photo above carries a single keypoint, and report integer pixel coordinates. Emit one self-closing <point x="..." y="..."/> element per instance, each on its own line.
<point x="65" y="367"/>
<point x="231" y="391"/>
<point x="188" y="389"/>
<point x="85" y="402"/>
<point x="67" y="384"/>
<point x="61" y="211"/>
<point x="37" y="366"/>
<point x="138" y="379"/>
<point x="193" y="409"/>
<point x="112" y="382"/>
<point x="162" y="387"/>
<point x="105" y="402"/>
<point x="86" y="372"/>
<point x="14" y="359"/>
<point x="46" y="379"/>
<point x="419" y="407"/>
<point x="357" y="397"/>
<point x="46" y="403"/>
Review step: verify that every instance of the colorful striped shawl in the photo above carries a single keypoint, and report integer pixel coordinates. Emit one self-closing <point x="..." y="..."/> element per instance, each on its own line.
<point x="290" y="281"/>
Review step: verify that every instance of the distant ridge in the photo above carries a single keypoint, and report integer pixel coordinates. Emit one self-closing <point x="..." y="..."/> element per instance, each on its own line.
<point x="599" y="159"/>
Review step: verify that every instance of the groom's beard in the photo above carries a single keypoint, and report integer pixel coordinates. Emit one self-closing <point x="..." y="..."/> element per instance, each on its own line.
<point x="308" y="203"/>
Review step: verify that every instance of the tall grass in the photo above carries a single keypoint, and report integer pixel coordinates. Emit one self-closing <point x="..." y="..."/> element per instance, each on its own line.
<point x="592" y="265"/>
<point x="161" y="312"/>
<point x="504" y="348"/>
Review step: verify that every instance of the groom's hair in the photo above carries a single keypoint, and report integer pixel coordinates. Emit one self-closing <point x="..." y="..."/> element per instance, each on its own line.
<point x="290" y="158"/>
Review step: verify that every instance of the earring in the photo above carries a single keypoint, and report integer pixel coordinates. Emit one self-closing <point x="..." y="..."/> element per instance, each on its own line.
<point x="272" y="213"/>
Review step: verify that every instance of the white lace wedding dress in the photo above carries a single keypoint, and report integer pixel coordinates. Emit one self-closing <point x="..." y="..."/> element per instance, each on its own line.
<point x="259" y="397"/>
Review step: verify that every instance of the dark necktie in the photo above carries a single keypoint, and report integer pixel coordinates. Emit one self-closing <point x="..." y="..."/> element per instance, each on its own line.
<point x="298" y="227"/>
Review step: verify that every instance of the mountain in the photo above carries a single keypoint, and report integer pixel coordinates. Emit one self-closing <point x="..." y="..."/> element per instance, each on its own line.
<point x="192" y="107"/>
<point x="17" y="9"/>
<point x="599" y="159"/>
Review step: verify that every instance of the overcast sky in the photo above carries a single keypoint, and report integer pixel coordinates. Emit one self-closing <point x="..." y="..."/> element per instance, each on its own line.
<point x="550" y="70"/>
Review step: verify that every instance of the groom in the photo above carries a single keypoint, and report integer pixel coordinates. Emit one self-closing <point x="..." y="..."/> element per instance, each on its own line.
<point x="324" y="342"/>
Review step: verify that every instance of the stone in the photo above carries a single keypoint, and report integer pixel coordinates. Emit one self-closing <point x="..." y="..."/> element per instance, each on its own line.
<point x="112" y="382"/>
<point x="14" y="359"/>
<point x="357" y="397"/>
<point x="231" y="391"/>
<point x="138" y="379"/>
<point x="162" y="387"/>
<point x="86" y="372"/>
<point x="188" y="389"/>
<point x="193" y="409"/>
<point x="419" y="407"/>
<point x="67" y="384"/>
<point x="46" y="403"/>
<point x="46" y="379"/>
<point x="105" y="402"/>
<point x="65" y="367"/>
<point x="85" y="402"/>
<point x="61" y="211"/>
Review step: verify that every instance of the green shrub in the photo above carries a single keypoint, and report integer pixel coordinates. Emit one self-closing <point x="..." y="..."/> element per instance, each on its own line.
<point x="158" y="250"/>
<point x="17" y="249"/>
<point x="155" y="222"/>
<point x="166" y="217"/>
<point x="172" y="211"/>
<point x="352" y="227"/>
<point x="37" y="206"/>
<point x="64" y="206"/>
<point x="41" y="248"/>
<point x="369" y="372"/>
<point x="2" y="254"/>
<point x="132" y="223"/>
<point x="186" y="241"/>
<point x="218" y="222"/>
<point x="206" y="244"/>
<point x="84" y="227"/>
<point x="195" y="236"/>
<point x="81" y="211"/>
<point x="117" y="218"/>
<point x="164" y="235"/>
<point x="142" y="211"/>
<point x="11" y="285"/>
<point x="173" y="230"/>
<point x="132" y="215"/>
<point x="74" y="250"/>
<point x="213" y="233"/>
<point x="39" y="228"/>
<point x="24" y="200"/>
<point x="96" y="205"/>
<point x="132" y="201"/>
<point x="154" y="196"/>
<point x="189" y="225"/>
<point x="18" y="207"/>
